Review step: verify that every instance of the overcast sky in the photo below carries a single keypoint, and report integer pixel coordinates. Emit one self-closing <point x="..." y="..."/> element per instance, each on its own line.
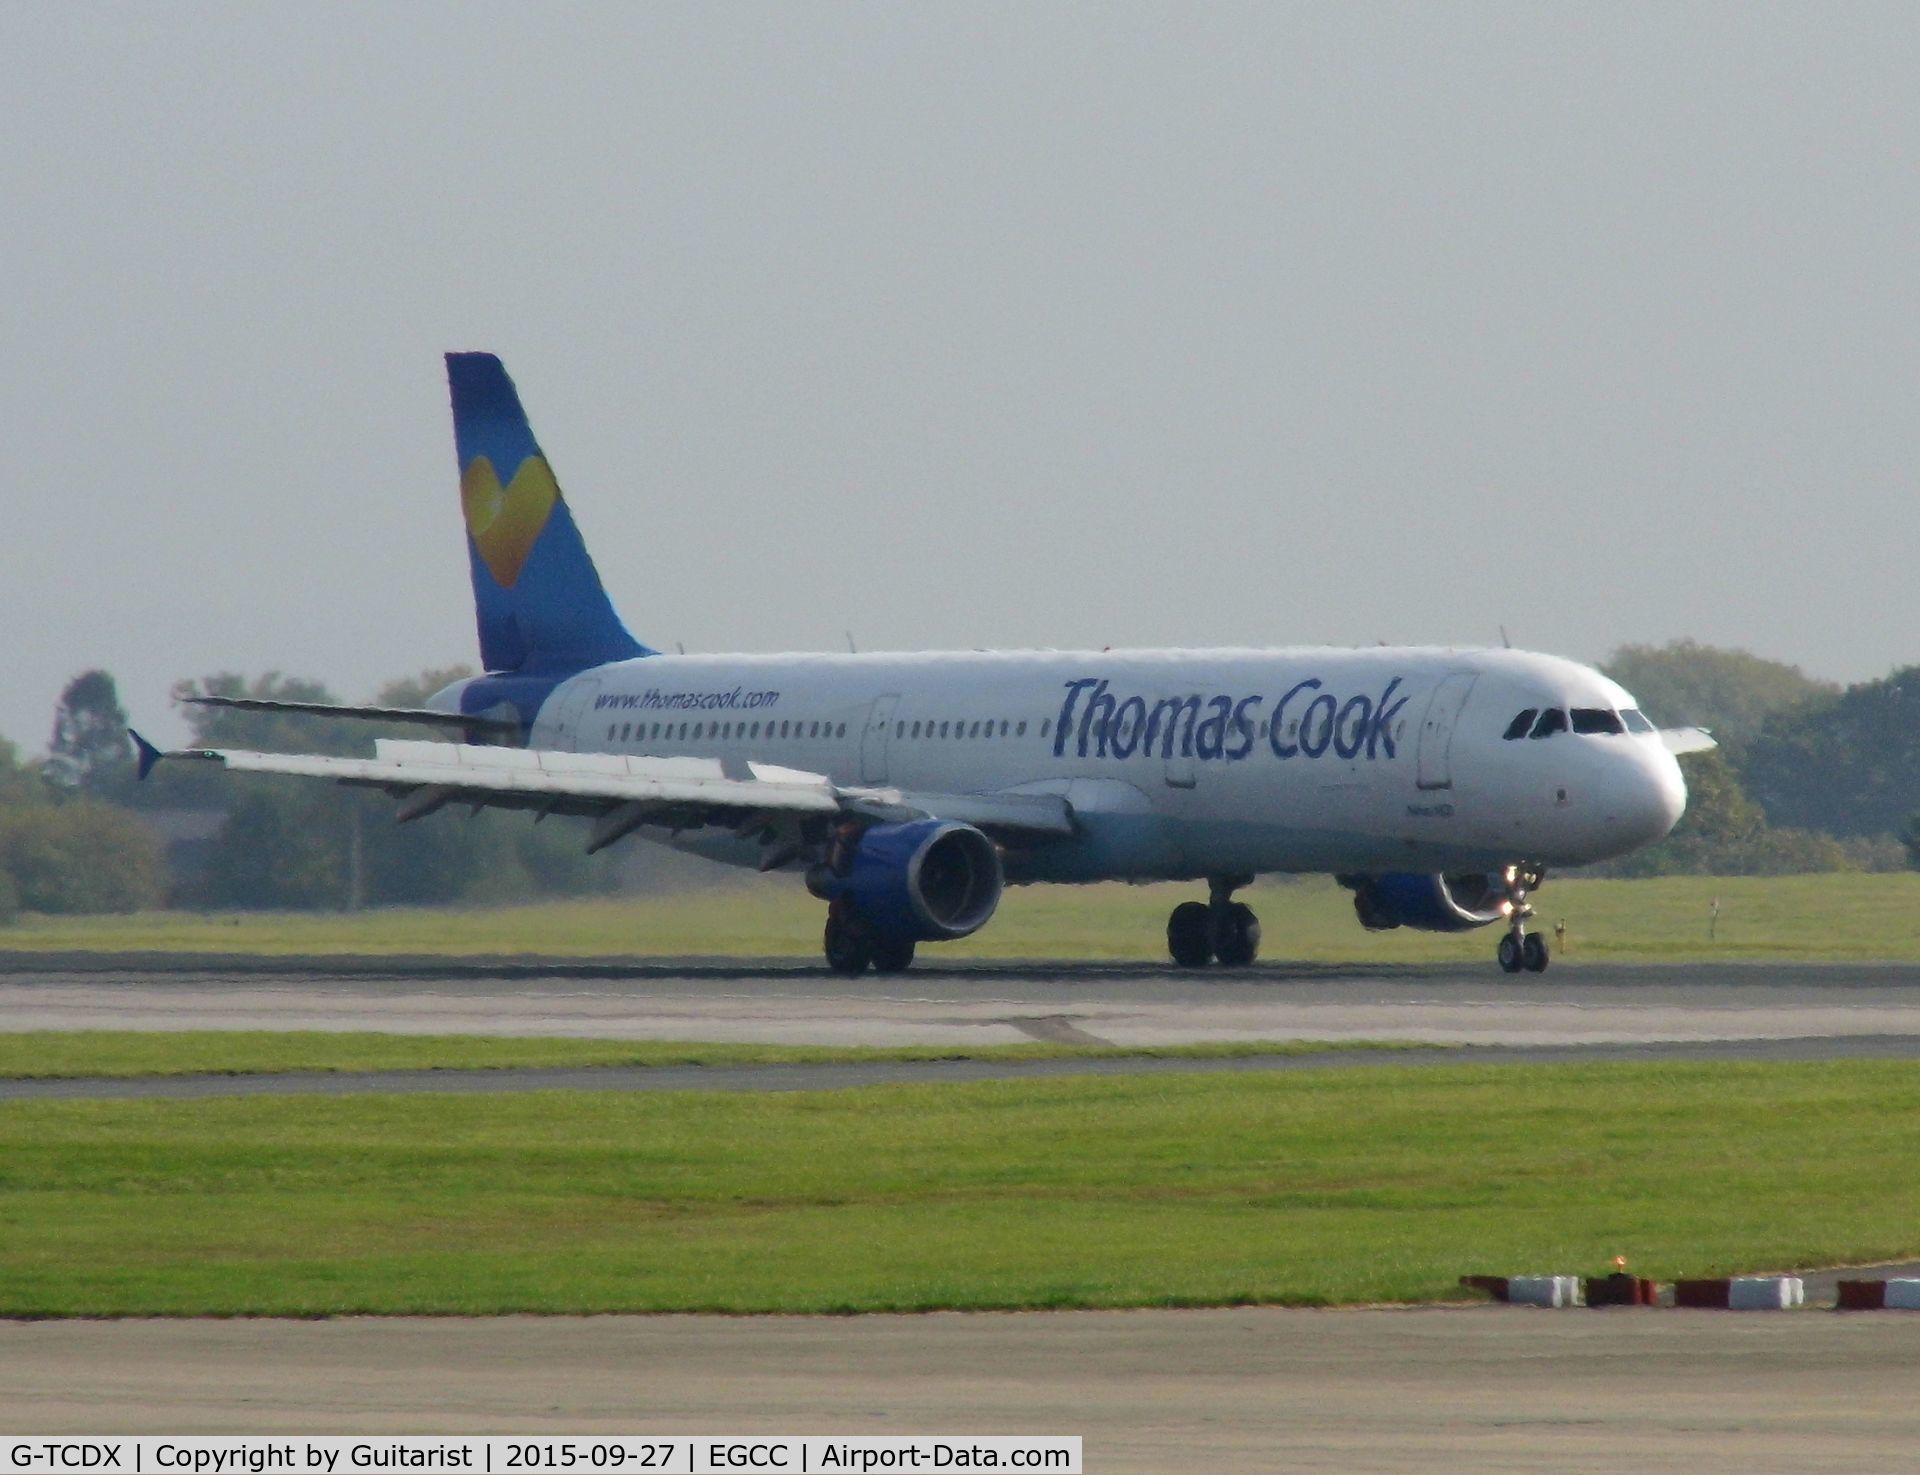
<point x="962" y="326"/>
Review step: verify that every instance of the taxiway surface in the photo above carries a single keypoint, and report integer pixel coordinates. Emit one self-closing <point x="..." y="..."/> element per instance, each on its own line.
<point x="1251" y="1389"/>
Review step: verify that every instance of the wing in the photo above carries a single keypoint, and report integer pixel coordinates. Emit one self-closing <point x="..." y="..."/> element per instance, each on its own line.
<point x="621" y="793"/>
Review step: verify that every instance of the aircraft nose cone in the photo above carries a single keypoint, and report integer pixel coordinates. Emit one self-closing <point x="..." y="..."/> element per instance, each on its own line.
<point x="1657" y="796"/>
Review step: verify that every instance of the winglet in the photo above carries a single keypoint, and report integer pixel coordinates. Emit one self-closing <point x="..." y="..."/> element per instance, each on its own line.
<point x="147" y="754"/>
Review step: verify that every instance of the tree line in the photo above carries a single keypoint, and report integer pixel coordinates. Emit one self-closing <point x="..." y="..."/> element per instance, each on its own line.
<point x="1809" y="775"/>
<point x="79" y="832"/>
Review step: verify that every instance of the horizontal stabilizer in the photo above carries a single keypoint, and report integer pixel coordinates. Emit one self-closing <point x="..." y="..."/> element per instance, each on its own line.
<point x="412" y="716"/>
<point x="1680" y="740"/>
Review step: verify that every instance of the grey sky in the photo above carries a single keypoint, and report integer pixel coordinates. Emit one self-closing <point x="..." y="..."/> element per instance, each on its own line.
<point x="983" y="325"/>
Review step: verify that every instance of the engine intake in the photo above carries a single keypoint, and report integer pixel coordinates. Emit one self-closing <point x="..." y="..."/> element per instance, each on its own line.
<point x="1428" y="903"/>
<point x="928" y="880"/>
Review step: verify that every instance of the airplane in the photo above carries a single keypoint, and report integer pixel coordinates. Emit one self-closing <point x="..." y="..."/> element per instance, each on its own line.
<point x="1439" y="786"/>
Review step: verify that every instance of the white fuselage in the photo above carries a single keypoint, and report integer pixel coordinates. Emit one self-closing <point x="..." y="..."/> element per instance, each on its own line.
<point x="1176" y="763"/>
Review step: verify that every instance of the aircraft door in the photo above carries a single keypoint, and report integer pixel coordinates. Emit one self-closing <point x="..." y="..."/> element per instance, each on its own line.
<point x="874" y="741"/>
<point x="573" y="716"/>
<point x="1436" y="729"/>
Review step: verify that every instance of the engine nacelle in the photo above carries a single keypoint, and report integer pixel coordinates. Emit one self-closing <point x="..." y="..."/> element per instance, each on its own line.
<point x="928" y="880"/>
<point x="1429" y="903"/>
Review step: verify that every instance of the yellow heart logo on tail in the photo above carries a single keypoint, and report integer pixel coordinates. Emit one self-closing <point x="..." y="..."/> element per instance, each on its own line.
<point x="505" y="522"/>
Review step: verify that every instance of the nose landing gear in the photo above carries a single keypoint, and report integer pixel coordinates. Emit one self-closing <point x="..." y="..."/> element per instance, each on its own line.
<point x="1219" y="929"/>
<point x="1520" y="948"/>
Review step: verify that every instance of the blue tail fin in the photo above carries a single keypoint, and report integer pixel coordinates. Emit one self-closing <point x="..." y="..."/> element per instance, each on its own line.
<point x="540" y="603"/>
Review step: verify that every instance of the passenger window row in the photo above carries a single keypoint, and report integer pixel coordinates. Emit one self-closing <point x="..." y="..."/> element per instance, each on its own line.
<point x="1590" y="721"/>
<point x="969" y="729"/>
<point x="621" y="732"/>
<point x="985" y="728"/>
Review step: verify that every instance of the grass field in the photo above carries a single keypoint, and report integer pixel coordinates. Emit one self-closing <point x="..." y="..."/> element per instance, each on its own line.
<point x="1356" y="1186"/>
<point x="59" y="1054"/>
<point x="1804" y="917"/>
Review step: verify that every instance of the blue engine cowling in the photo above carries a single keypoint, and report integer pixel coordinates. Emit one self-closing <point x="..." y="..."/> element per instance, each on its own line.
<point x="1429" y="903"/>
<point x="929" y="880"/>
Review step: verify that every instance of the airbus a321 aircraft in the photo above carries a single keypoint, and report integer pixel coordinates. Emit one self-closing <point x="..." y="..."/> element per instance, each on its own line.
<point x="1439" y="786"/>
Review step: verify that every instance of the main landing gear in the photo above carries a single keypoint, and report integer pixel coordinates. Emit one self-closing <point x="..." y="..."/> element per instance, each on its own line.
<point x="1520" y="948"/>
<point x="1219" y="929"/>
<point x="852" y="947"/>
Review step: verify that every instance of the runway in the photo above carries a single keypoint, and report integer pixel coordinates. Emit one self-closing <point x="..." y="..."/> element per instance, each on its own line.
<point x="1573" y="1004"/>
<point x="963" y="1004"/>
<point x="1469" y="1013"/>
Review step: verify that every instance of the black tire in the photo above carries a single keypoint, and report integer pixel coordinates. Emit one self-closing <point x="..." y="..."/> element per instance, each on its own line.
<point x="1190" y="935"/>
<point x="1374" y="915"/>
<point x="1533" y="953"/>
<point x="892" y="957"/>
<point x="1236" y="935"/>
<point x="1510" y="953"/>
<point x="849" y="949"/>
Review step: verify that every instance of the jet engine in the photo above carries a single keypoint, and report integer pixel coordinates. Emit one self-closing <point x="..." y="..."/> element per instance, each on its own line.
<point x="1457" y="902"/>
<point x="927" y="880"/>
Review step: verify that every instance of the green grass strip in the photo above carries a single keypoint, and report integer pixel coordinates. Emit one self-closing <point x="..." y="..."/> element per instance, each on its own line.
<point x="1824" y="917"/>
<point x="1376" y="1184"/>
<point x="64" y="1054"/>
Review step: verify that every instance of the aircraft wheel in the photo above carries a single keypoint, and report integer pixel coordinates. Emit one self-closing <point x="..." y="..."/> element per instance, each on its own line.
<point x="848" y="948"/>
<point x="1533" y="953"/>
<point x="1190" y="935"/>
<point x="1236" y="935"/>
<point x="1510" y="954"/>
<point x="892" y="957"/>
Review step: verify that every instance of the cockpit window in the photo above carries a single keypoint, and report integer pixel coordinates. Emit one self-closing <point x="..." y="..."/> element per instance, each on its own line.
<point x="1636" y="720"/>
<point x="1551" y="721"/>
<point x="1597" y="720"/>
<point x="1518" y="727"/>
